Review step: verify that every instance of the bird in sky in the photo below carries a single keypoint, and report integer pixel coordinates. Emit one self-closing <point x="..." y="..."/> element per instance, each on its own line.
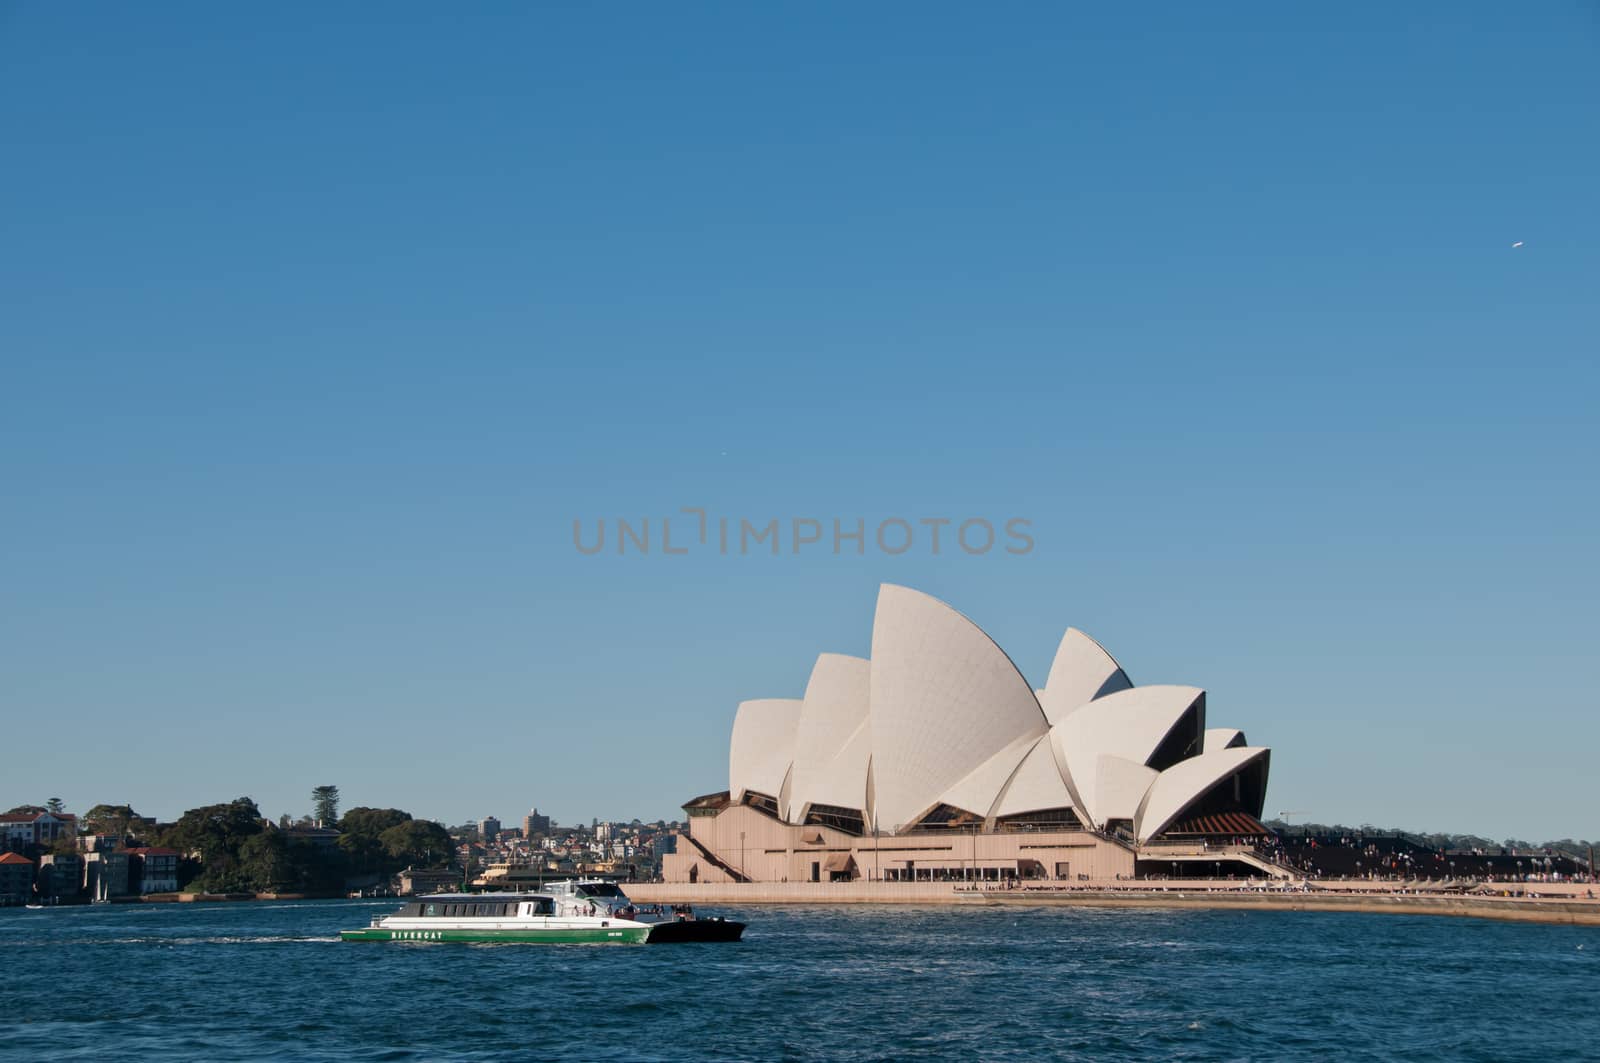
<point x="1517" y="244"/>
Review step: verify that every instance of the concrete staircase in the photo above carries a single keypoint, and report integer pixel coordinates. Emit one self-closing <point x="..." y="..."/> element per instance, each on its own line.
<point x="713" y="859"/>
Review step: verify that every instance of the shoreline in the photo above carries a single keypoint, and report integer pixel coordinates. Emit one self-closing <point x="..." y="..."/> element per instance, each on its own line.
<point x="1549" y="910"/>
<point x="1556" y="910"/>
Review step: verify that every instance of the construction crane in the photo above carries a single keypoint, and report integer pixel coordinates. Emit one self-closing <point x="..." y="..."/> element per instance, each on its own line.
<point x="1293" y="812"/>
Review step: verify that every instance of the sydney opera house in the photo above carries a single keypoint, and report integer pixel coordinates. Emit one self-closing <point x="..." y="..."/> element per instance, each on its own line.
<point x="937" y="760"/>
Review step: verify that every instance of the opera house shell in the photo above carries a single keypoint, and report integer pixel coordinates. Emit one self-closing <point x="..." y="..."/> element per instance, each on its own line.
<point x="935" y="759"/>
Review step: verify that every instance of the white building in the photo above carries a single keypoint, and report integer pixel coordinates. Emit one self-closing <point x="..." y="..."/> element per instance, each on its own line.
<point x="22" y="829"/>
<point x="939" y="733"/>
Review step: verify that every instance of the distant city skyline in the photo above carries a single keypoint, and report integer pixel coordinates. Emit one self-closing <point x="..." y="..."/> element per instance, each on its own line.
<point x="586" y="823"/>
<point x="322" y="330"/>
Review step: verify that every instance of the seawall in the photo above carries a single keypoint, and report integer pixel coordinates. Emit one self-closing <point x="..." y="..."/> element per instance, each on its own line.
<point x="1572" y="911"/>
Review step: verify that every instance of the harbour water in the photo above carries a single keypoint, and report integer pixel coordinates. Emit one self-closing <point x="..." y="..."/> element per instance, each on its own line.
<point x="269" y="981"/>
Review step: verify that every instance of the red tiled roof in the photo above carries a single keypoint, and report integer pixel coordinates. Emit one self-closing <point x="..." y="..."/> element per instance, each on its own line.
<point x="15" y="858"/>
<point x="29" y="817"/>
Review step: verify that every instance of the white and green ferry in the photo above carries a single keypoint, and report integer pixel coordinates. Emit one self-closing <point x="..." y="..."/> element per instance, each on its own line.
<point x="565" y="913"/>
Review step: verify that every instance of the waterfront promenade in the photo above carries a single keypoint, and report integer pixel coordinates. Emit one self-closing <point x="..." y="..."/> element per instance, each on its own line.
<point x="1543" y="903"/>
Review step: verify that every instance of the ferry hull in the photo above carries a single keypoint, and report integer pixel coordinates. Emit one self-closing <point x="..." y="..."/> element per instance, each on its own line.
<point x="555" y="936"/>
<point x="695" y="930"/>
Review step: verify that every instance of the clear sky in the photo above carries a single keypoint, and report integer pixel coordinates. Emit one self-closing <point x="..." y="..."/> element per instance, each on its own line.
<point x="321" y="324"/>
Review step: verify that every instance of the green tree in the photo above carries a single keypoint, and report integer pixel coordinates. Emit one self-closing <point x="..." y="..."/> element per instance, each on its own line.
<point x="217" y="832"/>
<point x="363" y="854"/>
<point x="55" y="806"/>
<point x="317" y="867"/>
<point x="325" y="805"/>
<point x="371" y="821"/>
<point x="418" y="841"/>
<point x="360" y="831"/>
<point x="109" y="819"/>
<point x="26" y="810"/>
<point x="264" y="863"/>
<point x="269" y="860"/>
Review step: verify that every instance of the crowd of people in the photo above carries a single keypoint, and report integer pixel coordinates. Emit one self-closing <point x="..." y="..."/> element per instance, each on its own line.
<point x="1396" y="857"/>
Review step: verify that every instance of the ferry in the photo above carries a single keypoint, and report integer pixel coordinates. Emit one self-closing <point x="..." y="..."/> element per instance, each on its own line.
<point x="563" y="913"/>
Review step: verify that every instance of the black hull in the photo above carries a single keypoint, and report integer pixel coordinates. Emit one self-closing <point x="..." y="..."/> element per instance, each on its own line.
<point x="694" y="930"/>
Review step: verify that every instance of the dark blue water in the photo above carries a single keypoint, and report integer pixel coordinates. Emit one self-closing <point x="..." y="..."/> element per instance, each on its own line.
<point x="269" y="981"/>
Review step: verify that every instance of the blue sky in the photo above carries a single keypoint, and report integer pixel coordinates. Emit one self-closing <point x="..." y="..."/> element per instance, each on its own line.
<point x="321" y="325"/>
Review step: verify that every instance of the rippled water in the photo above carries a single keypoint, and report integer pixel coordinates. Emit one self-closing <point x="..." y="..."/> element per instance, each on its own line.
<point x="269" y="981"/>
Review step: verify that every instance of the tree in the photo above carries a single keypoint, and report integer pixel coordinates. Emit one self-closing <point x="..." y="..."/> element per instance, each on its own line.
<point x="217" y="832"/>
<point x="360" y="831"/>
<point x="55" y="806"/>
<point x="418" y="841"/>
<point x="26" y="810"/>
<point x="325" y="805"/>
<point x="264" y="863"/>
<point x="371" y="821"/>
<point x="109" y="819"/>
<point x="317" y="867"/>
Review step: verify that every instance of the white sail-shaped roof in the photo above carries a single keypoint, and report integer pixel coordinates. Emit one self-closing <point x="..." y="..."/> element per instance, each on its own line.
<point x="1130" y="724"/>
<point x="832" y="740"/>
<point x="1186" y="782"/>
<point x="1222" y="738"/>
<point x="762" y="747"/>
<point x="940" y="715"/>
<point x="1035" y="786"/>
<point x="945" y="700"/>
<point x="1081" y="672"/>
<point x="1119" y="786"/>
<point x="980" y="789"/>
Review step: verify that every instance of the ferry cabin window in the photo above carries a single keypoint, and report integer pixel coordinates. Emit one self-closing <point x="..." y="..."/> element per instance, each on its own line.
<point x="599" y="889"/>
<point x="432" y="909"/>
<point x="542" y="906"/>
